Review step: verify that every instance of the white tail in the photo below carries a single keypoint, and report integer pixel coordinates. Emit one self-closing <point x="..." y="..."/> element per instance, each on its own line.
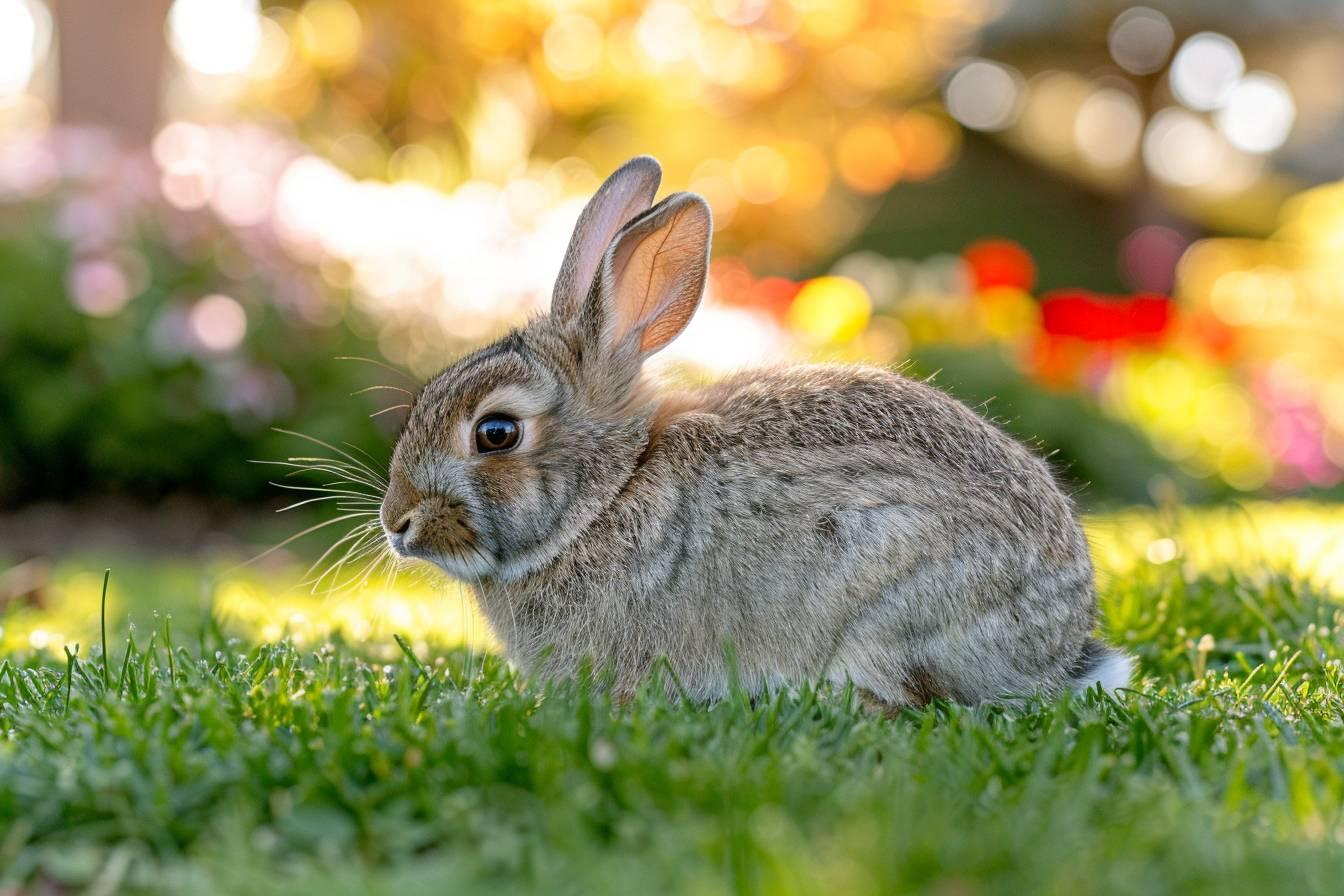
<point x="1104" y="666"/>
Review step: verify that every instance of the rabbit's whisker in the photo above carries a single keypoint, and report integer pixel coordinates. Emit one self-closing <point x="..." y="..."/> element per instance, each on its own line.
<point x="295" y="537"/>
<point x="353" y="506"/>
<point x="363" y="544"/>
<point x="354" y="486"/>
<point x="330" y="447"/>
<point x="372" y="459"/>
<point x="358" y="547"/>
<point x="369" y="507"/>
<point x="385" y="560"/>
<point x="345" y="476"/>
<point x="381" y="364"/>
<point x="326" y="490"/>
<point x="393" y="388"/>
<point x="395" y="407"/>
<point x="352" y="467"/>
<point x="336" y="467"/>
<point x="354" y="538"/>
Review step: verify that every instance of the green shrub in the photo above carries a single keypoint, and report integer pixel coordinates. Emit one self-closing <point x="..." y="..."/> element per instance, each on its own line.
<point x="105" y="380"/>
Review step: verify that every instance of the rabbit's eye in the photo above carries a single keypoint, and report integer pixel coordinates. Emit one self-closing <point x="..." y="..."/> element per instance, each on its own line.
<point x="497" y="433"/>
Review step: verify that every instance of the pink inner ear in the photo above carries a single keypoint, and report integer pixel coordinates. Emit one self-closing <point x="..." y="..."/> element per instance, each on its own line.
<point x="659" y="274"/>
<point x="669" y="323"/>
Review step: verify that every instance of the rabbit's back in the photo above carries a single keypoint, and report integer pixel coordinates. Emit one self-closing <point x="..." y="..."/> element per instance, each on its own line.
<point x="837" y="521"/>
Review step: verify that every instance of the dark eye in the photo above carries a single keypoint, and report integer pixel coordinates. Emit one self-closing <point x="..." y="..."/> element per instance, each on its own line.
<point x="497" y="433"/>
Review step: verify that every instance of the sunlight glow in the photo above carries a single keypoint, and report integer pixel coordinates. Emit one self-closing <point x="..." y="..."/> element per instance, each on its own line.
<point x="1258" y="114"/>
<point x="1256" y="539"/>
<point x="25" y="38"/>
<point x="1108" y="127"/>
<point x="1295" y="537"/>
<point x="1205" y="70"/>
<point x="1140" y="40"/>
<point x="984" y="95"/>
<point x="721" y="340"/>
<point x="215" y="37"/>
<point x="1180" y="149"/>
<point x="434" y="612"/>
<point x="219" y="323"/>
<point x="573" y="46"/>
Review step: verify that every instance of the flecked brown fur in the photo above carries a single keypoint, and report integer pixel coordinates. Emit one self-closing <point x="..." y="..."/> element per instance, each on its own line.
<point x="837" y="522"/>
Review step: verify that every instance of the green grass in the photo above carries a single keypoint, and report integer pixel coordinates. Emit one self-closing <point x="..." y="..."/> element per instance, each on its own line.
<point x="218" y="765"/>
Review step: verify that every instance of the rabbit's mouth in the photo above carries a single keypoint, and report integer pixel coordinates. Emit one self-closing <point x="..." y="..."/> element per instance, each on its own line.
<point x="462" y="561"/>
<point x="436" y="530"/>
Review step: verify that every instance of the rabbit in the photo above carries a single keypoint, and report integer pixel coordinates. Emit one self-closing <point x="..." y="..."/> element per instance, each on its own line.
<point x="777" y="527"/>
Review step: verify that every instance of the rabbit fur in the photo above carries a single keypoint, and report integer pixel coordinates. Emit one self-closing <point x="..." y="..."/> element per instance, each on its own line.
<point x="775" y="527"/>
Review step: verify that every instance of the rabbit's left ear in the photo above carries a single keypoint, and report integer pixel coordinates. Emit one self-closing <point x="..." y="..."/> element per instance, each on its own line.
<point x="626" y="194"/>
<point x="651" y="279"/>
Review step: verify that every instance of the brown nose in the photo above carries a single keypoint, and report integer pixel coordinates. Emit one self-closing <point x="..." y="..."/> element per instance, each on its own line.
<point x="398" y="510"/>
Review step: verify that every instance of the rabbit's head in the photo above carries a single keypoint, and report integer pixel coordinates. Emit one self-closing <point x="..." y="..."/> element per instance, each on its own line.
<point x="511" y="451"/>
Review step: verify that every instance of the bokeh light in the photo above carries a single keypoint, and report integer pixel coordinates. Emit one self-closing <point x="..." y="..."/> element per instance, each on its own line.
<point x="1048" y="122"/>
<point x="830" y="310"/>
<point x="984" y="95"/>
<point x="761" y="174"/>
<point x="869" y="156"/>
<point x="98" y="287"/>
<point x="25" y="38"/>
<point x="215" y="37"/>
<point x="1140" y="40"/>
<point x="219" y="323"/>
<point x="573" y="46"/>
<point x="996" y="262"/>
<point x="1206" y="68"/>
<point x="1181" y="149"/>
<point x="410" y="174"/>
<point x="1108" y="127"/>
<point x="1258" y="114"/>
<point x="330" y="34"/>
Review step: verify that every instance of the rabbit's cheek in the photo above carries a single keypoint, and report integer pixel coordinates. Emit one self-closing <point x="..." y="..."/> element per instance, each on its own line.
<point x="510" y="499"/>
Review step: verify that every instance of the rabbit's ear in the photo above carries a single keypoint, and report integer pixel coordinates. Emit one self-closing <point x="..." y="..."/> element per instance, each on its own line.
<point x="652" y="278"/>
<point x="627" y="193"/>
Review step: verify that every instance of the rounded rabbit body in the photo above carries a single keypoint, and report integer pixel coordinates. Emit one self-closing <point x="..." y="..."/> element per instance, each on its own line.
<point x="775" y="527"/>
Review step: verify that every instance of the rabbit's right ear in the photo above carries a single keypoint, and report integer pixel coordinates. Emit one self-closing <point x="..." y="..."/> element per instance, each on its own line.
<point x="625" y="195"/>
<point x="650" y="283"/>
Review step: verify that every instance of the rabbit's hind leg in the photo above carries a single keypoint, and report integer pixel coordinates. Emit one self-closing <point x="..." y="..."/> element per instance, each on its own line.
<point x="911" y="686"/>
<point x="872" y="703"/>
<point x="918" y="692"/>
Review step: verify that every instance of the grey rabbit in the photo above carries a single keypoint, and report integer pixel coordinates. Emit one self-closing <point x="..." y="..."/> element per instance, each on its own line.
<point x="829" y="522"/>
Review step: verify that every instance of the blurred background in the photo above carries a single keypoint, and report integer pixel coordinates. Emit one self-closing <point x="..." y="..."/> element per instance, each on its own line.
<point x="1118" y="229"/>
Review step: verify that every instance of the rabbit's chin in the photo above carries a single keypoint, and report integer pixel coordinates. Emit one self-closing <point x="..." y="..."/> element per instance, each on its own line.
<point x="470" y="567"/>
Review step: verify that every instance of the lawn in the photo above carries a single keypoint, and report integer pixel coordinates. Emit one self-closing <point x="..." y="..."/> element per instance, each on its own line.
<point x="215" y="754"/>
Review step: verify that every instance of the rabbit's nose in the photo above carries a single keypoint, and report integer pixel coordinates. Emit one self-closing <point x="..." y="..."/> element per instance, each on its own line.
<point x="402" y="532"/>
<point x="399" y="511"/>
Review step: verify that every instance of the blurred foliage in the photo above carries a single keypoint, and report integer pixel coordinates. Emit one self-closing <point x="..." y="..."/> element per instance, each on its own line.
<point x="167" y="312"/>
<point x="158" y="328"/>
<point x="814" y="107"/>
<point x="123" y="394"/>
